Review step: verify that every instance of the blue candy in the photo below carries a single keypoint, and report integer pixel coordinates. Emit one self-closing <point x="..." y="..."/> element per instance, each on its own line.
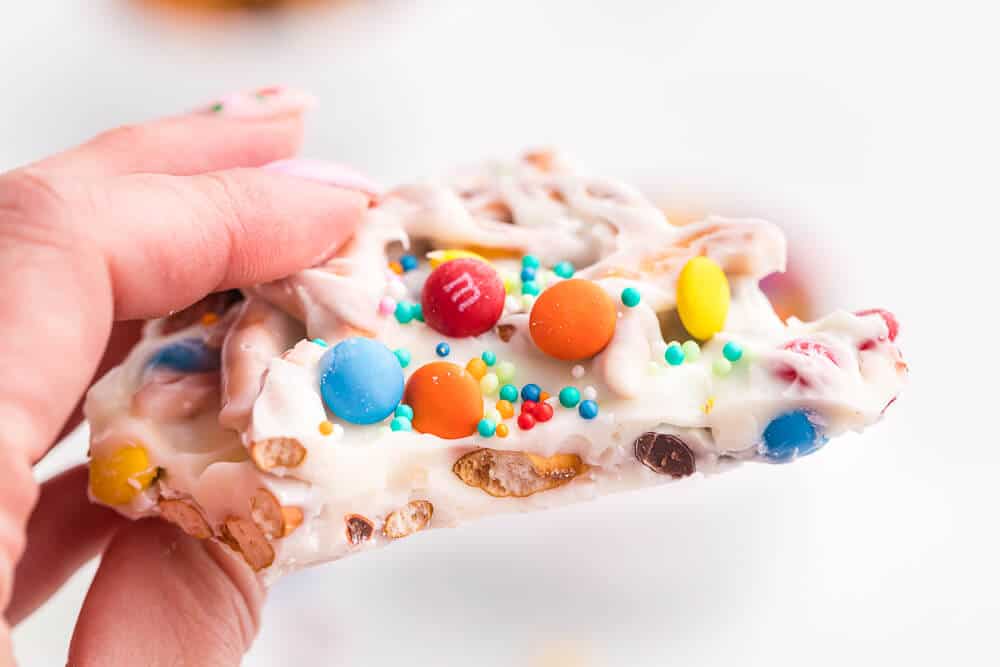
<point x="443" y="349"/>
<point x="789" y="436"/>
<point x="360" y="380"/>
<point x="531" y="392"/>
<point x="190" y="355"/>
<point x="528" y="273"/>
<point x="588" y="409"/>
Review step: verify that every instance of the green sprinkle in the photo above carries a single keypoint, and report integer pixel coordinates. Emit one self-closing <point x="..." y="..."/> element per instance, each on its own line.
<point x="418" y="312"/>
<point x="489" y="358"/>
<point x="505" y="371"/>
<point x="320" y="342"/>
<point x="722" y="367"/>
<point x="508" y="392"/>
<point x="403" y="356"/>
<point x="217" y="107"/>
<point x="691" y="350"/>
<point x="564" y="270"/>
<point x="569" y="397"/>
<point x="531" y="287"/>
<point x="530" y="261"/>
<point x="404" y="312"/>
<point x="732" y="351"/>
<point x="404" y="410"/>
<point x="401" y="424"/>
<point x="486" y="428"/>
<point x="631" y="297"/>
<point x="674" y="354"/>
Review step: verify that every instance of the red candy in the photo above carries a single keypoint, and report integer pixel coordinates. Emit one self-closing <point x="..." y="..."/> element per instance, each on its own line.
<point x="528" y="407"/>
<point x="463" y="297"/>
<point x="525" y="421"/>
<point x="543" y="412"/>
<point x="890" y="320"/>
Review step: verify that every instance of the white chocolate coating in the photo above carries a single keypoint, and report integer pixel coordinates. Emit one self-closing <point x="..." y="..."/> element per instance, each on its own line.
<point x="270" y="373"/>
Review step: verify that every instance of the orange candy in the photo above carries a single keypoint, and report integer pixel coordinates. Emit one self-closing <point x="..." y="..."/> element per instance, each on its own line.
<point x="396" y="267"/>
<point x="502" y="430"/>
<point x="446" y="400"/>
<point x="505" y="409"/>
<point x="573" y="320"/>
<point x="476" y="368"/>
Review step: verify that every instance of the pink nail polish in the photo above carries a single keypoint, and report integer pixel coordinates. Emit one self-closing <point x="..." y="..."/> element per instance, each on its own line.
<point x="262" y="103"/>
<point x="329" y="173"/>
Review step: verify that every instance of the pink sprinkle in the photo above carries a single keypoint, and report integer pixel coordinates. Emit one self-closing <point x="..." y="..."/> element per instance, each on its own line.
<point x="387" y="306"/>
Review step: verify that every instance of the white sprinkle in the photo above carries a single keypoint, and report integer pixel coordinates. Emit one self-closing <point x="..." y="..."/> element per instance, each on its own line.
<point x="589" y="393"/>
<point x="578" y="371"/>
<point x="513" y="304"/>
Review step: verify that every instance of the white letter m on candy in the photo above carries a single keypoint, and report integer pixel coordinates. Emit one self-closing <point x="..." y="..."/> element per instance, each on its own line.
<point x="468" y="287"/>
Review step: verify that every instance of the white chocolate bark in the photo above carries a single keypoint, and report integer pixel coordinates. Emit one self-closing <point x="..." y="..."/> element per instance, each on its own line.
<point x="250" y="454"/>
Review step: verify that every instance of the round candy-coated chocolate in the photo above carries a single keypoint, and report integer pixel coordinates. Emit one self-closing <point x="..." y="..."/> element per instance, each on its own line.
<point x="569" y="397"/>
<point x="446" y="400"/>
<point x="190" y="355"/>
<point x="588" y="409"/>
<point x="572" y="320"/>
<point x="531" y="392"/>
<point x="791" y="435"/>
<point x="463" y="297"/>
<point x="702" y="297"/>
<point x="360" y="380"/>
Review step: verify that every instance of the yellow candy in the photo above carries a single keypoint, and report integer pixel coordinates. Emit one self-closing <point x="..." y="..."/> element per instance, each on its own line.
<point x="119" y="477"/>
<point x="702" y="297"/>
<point x="439" y="257"/>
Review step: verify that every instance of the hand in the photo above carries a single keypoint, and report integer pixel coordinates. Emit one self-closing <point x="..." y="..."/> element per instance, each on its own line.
<point x="136" y="223"/>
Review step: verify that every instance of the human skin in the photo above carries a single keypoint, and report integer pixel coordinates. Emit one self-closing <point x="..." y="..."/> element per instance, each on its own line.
<point x="136" y="223"/>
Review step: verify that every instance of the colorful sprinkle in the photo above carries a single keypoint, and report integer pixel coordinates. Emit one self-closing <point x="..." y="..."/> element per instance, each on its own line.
<point x="506" y="371"/>
<point x="569" y="397"/>
<point x="209" y="319"/>
<point x="386" y="306"/>
<point x="493" y="415"/>
<point x="404" y="410"/>
<point x="489" y="384"/>
<point x="400" y="424"/>
<point x="564" y="269"/>
<point x="732" y="351"/>
<point x="525" y="421"/>
<point x="589" y="393"/>
<point x="439" y="257"/>
<point x="408" y="262"/>
<point x="402" y="356"/>
<point x="510" y="283"/>
<point x="476" y="368"/>
<point x="396" y="267"/>
<point x="502" y="430"/>
<point x="530" y="261"/>
<point x="404" y="312"/>
<point x="505" y="407"/>
<point x="443" y="349"/>
<point x="508" y="392"/>
<point x="631" y="297"/>
<point x="486" y="428"/>
<point x="544" y="396"/>
<point x="674" y="354"/>
<point x="418" y="312"/>
<point x="530" y="287"/>
<point x="722" y="367"/>
<point x="531" y="392"/>
<point x="543" y="412"/>
<point x="320" y="342"/>
<point x="692" y="352"/>
<point x="709" y="404"/>
<point x="489" y="358"/>
<point x="578" y="372"/>
<point x="528" y="273"/>
<point x="588" y="409"/>
<point x="527" y="301"/>
<point x="325" y="427"/>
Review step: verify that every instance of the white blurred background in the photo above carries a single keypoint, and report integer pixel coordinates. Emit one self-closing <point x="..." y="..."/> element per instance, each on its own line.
<point x="868" y="128"/>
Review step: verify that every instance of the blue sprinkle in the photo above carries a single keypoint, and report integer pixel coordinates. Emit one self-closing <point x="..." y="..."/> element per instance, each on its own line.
<point x="631" y="297"/>
<point x="404" y="312"/>
<point x="528" y="273"/>
<point x="564" y="270"/>
<point x="531" y="287"/>
<point x="408" y="262"/>
<point x="486" y="428"/>
<point x="320" y="342"/>
<point x="508" y="392"/>
<point x="404" y="410"/>
<point x="401" y="424"/>
<point x="588" y="409"/>
<point x="530" y="261"/>
<point x="531" y="392"/>
<point x="403" y="357"/>
<point x="443" y="349"/>
<point x="418" y="312"/>
<point x="674" y="354"/>
<point x="789" y="436"/>
<point x="732" y="351"/>
<point x="489" y="358"/>
<point x="190" y="355"/>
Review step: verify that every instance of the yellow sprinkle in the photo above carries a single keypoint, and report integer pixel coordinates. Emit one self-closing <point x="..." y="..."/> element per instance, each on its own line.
<point x="439" y="257"/>
<point x="489" y="384"/>
<point x="325" y="427"/>
<point x="209" y="318"/>
<point x="502" y="430"/>
<point x="709" y="404"/>
<point x="476" y="368"/>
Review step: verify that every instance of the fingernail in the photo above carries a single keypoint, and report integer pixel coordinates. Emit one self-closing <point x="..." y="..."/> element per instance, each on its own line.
<point x="329" y="173"/>
<point x="266" y="102"/>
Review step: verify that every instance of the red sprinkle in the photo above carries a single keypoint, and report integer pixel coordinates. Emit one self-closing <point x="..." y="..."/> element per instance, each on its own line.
<point x="525" y="421"/>
<point x="890" y="320"/>
<point x="528" y="407"/>
<point x="809" y="348"/>
<point x="543" y="412"/>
